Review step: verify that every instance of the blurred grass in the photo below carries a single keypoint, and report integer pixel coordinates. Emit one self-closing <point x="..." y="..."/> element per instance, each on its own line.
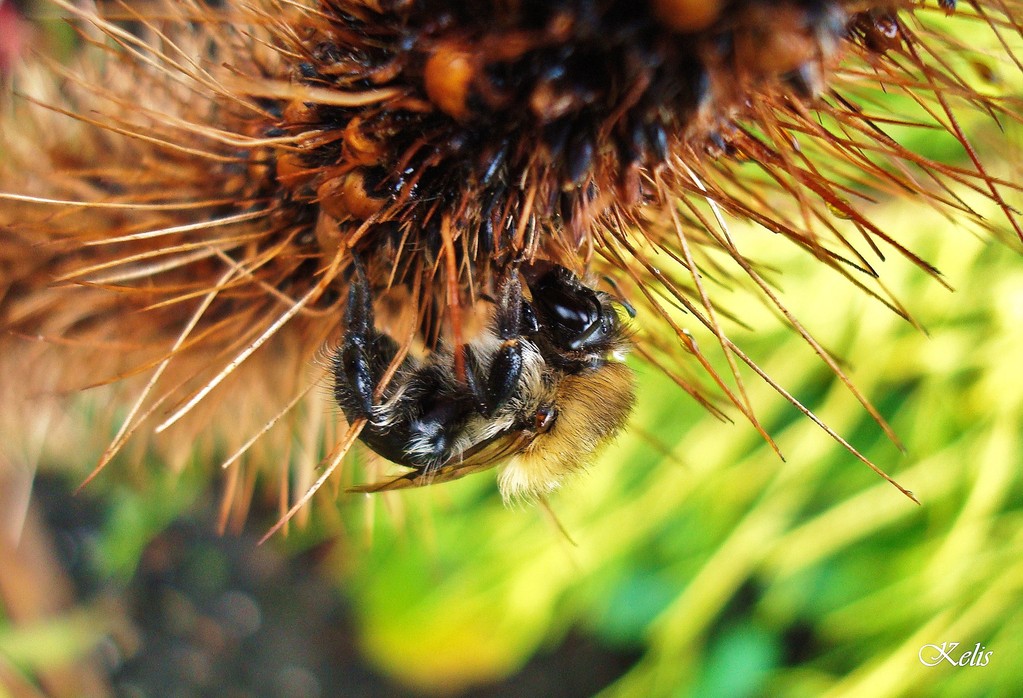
<point x="34" y="648"/>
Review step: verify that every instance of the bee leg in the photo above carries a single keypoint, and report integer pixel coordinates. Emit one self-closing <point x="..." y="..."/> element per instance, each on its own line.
<point x="430" y="435"/>
<point x="511" y="319"/>
<point x="472" y="378"/>
<point x="364" y="352"/>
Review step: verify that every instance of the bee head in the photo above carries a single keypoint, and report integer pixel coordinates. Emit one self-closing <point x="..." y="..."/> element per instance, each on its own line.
<point x="577" y="320"/>
<point x="582" y="339"/>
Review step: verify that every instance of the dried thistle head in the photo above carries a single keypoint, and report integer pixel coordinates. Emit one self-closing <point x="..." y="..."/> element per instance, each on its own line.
<point x="183" y="204"/>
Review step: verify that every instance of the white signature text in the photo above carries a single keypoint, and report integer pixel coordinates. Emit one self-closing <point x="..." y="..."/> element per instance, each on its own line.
<point x="933" y="655"/>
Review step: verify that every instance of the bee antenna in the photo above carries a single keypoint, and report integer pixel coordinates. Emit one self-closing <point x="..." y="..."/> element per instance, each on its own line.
<point x="619" y="297"/>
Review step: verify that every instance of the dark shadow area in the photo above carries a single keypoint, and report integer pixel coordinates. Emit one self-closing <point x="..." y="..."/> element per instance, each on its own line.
<point x="206" y="614"/>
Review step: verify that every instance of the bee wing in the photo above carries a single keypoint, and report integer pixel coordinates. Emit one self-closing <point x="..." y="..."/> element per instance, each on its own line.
<point x="483" y="455"/>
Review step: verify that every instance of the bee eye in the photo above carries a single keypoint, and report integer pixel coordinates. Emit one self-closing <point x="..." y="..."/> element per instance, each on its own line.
<point x="575" y="313"/>
<point x="544" y="418"/>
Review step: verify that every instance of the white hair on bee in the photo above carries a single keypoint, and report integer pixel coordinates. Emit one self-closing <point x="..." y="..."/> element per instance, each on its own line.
<point x="387" y="413"/>
<point x="534" y="390"/>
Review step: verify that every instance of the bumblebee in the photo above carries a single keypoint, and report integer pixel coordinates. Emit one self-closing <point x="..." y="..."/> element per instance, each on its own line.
<point x="537" y="392"/>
